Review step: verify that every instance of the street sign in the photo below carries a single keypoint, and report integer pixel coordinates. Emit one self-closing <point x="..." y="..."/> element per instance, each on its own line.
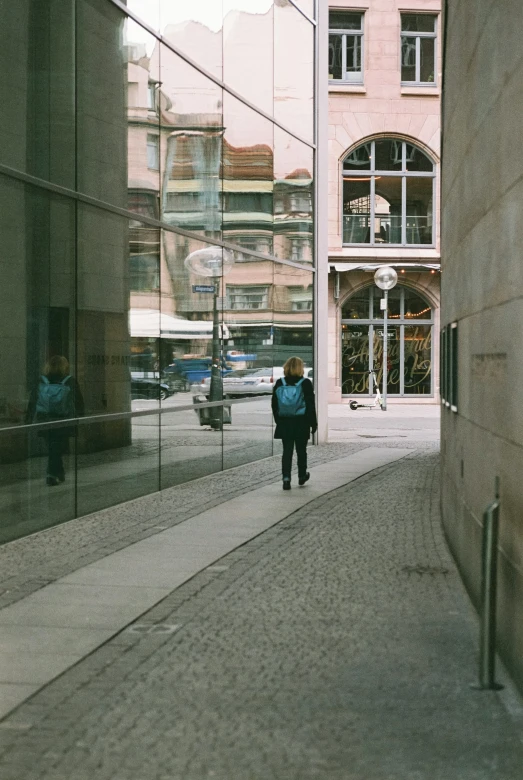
<point x="204" y="288"/>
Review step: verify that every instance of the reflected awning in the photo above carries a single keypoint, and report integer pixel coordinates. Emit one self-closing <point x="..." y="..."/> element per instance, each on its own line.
<point x="148" y="323"/>
<point x="371" y="267"/>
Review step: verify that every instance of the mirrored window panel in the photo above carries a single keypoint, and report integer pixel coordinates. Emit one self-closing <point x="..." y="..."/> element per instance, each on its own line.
<point x="248" y="52"/>
<point x="101" y="101"/>
<point x="38" y="294"/>
<point x="293" y="198"/>
<point x="39" y="386"/>
<point x="191" y="146"/>
<point x="103" y="315"/>
<point x="248" y="177"/>
<point x="293" y="70"/>
<point x="293" y="314"/>
<point x="144" y="107"/>
<point x="37" y="91"/>
<point x="248" y="327"/>
<point x="147" y="10"/>
<point x="194" y="27"/>
<point x="112" y="475"/>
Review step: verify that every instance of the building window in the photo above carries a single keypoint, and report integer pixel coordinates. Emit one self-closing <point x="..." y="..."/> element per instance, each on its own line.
<point x="242" y="298"/>
<point x="409" y="342"/>
<point x="143" y="202"/>
<point x="418" y="48"/>
<point x="300" y="298"/>
<point x="345" y="47"/>
<point x="301" y="249"/>
<point x="145" y="273"/>
<point x="153" y="151"/>
<point x="151" y="96"/>
<point x="388" y="194"/>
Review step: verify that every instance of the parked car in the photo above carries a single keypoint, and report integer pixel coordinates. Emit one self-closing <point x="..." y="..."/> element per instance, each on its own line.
<point x="245" y="382"/>
<point x="150" y="387"/>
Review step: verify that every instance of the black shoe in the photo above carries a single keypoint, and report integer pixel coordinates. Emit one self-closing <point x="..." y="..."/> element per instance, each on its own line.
<point x="286" y="484"/>
<point x="303" y="480"/>
<point x="52" y="481"/>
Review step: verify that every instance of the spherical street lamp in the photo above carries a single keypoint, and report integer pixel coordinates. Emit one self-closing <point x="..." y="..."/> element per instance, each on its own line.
<point x="385" y="278"/>
<point x="215" y="262"/>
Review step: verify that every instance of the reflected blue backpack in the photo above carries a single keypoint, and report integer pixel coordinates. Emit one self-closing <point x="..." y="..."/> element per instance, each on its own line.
<point x="291" y="401"/>
<point x="54" y="400"/>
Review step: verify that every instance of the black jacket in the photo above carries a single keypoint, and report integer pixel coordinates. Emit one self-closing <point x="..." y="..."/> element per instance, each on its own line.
<point x="303" y="424"/>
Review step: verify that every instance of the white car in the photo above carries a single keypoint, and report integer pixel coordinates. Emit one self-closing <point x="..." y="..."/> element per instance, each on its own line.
<point x="246" y="382"/>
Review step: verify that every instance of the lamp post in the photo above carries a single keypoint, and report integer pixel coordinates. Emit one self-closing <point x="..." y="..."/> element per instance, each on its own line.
<point x="215" y="262"/>
<point x="385" y="278"/>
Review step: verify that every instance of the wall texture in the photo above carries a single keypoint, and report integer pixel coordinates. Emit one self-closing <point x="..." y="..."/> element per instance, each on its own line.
<point x="482" y="290"/>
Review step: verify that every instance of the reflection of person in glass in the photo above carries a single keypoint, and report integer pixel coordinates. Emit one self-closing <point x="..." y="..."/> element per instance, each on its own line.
<point x="294" y="431"/>
<point x="56" y="397"/>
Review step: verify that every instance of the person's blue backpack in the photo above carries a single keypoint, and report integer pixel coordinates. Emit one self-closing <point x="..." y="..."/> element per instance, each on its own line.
<point x="291" y="401"/>
<point x="54" y="400"/>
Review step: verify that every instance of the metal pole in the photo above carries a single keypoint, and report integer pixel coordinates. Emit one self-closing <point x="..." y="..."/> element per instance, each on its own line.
<point x="384" y="399"/>
<point x="215" y="390"/>
<point x="487" y="649"/>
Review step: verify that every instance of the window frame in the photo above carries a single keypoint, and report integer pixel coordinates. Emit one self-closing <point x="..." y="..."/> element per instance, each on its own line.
<point x="246" y="290"/>
<point x="156" y="147"/>
<point x="343" y="34"/>
<point x="418" y="36"/>
<point x="372" y="174"/>
<point x="373" y="322"/>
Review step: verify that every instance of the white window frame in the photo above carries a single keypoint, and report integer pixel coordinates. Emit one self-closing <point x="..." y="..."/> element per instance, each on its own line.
<point x="417" y="36"/>
<point x="349" y="77"/>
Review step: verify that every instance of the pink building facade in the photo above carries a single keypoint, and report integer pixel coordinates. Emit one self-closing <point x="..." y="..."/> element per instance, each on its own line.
<point x="384" y="204"/>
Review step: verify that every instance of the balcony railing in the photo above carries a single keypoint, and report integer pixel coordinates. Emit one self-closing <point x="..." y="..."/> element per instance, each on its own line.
<point x="387" y="229"/>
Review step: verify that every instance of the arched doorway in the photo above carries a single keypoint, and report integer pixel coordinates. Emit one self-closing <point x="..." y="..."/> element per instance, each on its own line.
<point x="410" y="342"/>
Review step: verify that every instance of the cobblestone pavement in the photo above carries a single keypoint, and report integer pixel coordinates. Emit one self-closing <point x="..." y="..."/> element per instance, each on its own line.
<point x="338" y="645"/>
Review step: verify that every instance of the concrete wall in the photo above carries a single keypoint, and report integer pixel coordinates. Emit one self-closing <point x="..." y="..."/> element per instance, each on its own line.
<point x="482" y="289"/>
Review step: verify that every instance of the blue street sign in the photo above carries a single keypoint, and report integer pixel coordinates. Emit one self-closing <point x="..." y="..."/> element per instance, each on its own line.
<point x="205" y="288"/>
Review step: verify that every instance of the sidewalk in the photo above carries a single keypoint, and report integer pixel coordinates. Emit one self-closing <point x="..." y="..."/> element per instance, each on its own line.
<point x="326" y="637"/>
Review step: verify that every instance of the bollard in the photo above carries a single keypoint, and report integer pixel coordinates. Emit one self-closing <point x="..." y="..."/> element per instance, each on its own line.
<point x="489" y="565"/>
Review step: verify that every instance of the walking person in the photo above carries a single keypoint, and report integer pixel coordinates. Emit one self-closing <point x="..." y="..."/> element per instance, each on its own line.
<point x="294" y="412"/>
<point x="56" y="397"/>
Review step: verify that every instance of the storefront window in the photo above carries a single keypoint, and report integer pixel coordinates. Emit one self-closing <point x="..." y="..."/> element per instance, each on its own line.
<point x="409" y="344"/>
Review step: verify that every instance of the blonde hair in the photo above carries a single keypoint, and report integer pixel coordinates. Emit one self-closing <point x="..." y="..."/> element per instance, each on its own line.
<point x="293" y="367"/>
<point x="57" y="364"/>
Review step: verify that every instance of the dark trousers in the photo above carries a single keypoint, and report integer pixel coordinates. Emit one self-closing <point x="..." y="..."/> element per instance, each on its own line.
<point x="57" y="446"/>
<point x="289" y="441"/>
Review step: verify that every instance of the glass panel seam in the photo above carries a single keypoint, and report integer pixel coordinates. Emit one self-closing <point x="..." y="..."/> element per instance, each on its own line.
<point x="303" y="13"/>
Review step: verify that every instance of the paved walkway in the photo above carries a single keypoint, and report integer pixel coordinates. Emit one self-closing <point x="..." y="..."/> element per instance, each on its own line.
<point x="318" y="634"/>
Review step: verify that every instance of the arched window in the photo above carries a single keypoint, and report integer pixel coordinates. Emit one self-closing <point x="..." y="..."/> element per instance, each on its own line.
<point x="388" y="194"/>
<point x="409" y="339"/>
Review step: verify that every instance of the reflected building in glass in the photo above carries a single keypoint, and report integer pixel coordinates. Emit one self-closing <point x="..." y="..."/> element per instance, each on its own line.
<point x="140" y="135"/>
<point x="384" y="166"/>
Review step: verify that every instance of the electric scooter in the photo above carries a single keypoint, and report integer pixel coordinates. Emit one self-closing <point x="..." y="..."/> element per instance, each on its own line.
<point x="377" y="402"/>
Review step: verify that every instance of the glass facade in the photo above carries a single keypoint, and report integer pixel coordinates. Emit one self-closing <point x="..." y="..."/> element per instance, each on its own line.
<point x="157" y="222"/>
<point x="409" y="342"/>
